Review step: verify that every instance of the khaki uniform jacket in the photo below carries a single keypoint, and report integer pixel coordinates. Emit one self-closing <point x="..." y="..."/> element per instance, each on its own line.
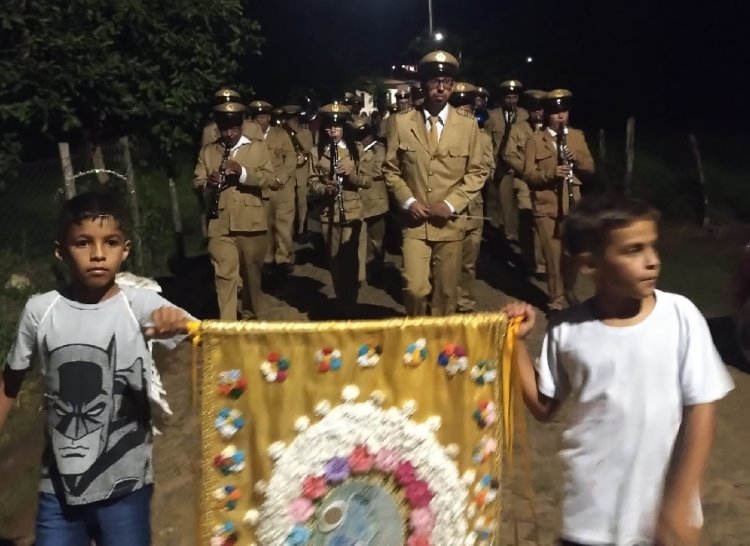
<point x="240" y="206"/>
<point x="455" y="174"/>
<point x="496" y="127"/>
<point x="515" y="153"/>
<point x="283" y="156"/>
<point x="539" y="171"/>
<point x="321" y="172"/>
<point x="374" y="198"/>
<point x="476" y="207"/>
<point x="249" y="128"/>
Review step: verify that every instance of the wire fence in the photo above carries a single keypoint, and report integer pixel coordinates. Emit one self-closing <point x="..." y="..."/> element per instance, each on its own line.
<point x="30" y="202"/>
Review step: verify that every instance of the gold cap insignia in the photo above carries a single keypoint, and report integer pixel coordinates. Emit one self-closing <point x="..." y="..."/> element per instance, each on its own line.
<point x="335" y="108"/>
<point x="440" y="57"/>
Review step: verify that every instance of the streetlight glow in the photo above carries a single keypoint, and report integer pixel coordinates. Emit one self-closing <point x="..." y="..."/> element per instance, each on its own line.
<point x="439" y="36"/>
<point x="529" y="59"/>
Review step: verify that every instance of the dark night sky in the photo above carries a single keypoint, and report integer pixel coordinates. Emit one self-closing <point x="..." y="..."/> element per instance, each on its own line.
<point x="674" y="64"/>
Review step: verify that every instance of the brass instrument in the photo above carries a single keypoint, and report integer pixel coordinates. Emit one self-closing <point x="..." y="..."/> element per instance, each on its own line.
<point x="298" y="149"/>
<point x="308" y="102"/>
<point x="213" y="211"/>
<point x="338" y="181"/>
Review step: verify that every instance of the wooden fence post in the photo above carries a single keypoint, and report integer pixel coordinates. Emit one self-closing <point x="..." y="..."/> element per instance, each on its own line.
<point x="69" y="183"/>
<point x="701" y="178"/>
<point x="133" y="195"/>
<point x="630" y="155"/>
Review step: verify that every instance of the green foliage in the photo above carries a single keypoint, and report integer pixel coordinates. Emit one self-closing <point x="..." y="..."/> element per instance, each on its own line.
<point x="118" y="67"/>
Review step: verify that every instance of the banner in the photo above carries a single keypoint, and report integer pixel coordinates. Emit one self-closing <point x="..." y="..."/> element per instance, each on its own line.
<point x="376" y="433"/>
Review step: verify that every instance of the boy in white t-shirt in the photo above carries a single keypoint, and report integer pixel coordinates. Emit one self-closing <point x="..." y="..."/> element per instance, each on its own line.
<point x="642" y="375"/>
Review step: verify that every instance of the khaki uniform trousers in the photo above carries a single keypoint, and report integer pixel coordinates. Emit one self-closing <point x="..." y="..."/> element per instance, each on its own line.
<point x="443" y="260"/>
<point x="528" y="234"/>
<point x="342" y="244"/>
<point x="280" y="214"/>
<point x="371" y="244"/>
<point x="469" y="255"/>
<point x="238" y="257"/>
<point x="561" y="271"/>
<point x="508" y="210"/>
<point x="301" y="198"/>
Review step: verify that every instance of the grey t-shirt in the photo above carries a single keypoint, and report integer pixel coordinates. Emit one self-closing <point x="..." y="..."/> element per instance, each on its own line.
<point x="96" y="368"/>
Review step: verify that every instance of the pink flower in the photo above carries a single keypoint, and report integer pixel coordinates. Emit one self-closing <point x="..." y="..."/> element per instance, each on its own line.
<point x="301" y="509"/>
<point x="418" y="540"/>
<point x="405" y="473"/>
<point x="421" y="521"/>
<point x="386" y="461"/>
<point x="360" y="461"/>
<point x="314" y="487"/>
<point x="418" y="494"/>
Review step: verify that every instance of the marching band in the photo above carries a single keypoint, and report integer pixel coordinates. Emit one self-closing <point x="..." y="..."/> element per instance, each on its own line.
<point x="423" y="169"/>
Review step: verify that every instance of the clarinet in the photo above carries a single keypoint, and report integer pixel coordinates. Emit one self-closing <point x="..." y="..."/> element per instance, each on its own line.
<point x="213" y="212"/>
<point x="562" y="157"/>
<point x="338" y="181"/>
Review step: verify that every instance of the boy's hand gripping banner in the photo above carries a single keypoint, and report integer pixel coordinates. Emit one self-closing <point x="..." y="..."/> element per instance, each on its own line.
<point x="377" y="433"/>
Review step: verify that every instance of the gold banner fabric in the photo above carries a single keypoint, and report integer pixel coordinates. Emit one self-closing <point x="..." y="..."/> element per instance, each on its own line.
<point x="334" y="433"/>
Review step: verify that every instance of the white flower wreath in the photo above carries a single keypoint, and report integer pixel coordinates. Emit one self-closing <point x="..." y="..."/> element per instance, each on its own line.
<point x="351" y="424"/>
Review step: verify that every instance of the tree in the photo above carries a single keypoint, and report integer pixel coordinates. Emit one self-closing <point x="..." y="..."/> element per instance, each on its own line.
<point x="116" y="67"/>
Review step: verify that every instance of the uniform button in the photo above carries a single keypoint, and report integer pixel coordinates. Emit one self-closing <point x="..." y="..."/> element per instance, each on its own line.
<point x="430" y="173"/>
<point x="429" y="190"/>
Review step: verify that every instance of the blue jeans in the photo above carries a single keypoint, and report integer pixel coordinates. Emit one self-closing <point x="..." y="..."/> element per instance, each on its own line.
<point x="124" y="521"/>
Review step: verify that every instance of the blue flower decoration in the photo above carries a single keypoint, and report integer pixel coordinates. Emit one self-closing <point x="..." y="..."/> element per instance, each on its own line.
<point x="299" y="536"/>
<point x="363" y="350"/>
<point x="229" y="527"/>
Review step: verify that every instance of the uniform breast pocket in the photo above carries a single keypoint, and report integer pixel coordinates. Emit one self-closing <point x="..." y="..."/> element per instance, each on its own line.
<point x="405" y="148"/>
<point x="457" y="157"/>
<point x="542" y="155"/>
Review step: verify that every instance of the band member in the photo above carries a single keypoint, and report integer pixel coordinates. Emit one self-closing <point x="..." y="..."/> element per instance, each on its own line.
<point x="434" y="168"/>
<point x="211" y="131"/>
<point x="280" y="203"/>
<point x="232" y="171"/>
<point x="555" y="160"/>
<point x="463" y="99"/>
<point x="483" y="97"/>
<point x="277" y="117"/>
<point x="336" y="176"/>
<point x="403" y="104"/>
<point x="302" y="140"/>
<point x="417" y="95"/>
<point x="515" y="157"/>
<point x="374" y="199"/>
<point x="355" y="103"/>
<point x="499" y="125"/>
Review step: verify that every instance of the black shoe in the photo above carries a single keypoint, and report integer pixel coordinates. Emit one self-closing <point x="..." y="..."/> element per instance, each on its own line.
<point x="285" y="269"/>
<point x="268" y="268"/>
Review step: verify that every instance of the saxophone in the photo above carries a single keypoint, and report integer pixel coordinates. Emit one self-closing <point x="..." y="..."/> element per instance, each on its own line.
<point x="298" y="149"/>
<point x="213" y="211"/>
<point x="338" y="181"/>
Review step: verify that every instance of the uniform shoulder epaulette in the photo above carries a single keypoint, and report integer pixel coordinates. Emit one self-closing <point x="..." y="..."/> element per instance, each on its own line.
<point x="465" y="114"/>
<point x="405" y="111"/>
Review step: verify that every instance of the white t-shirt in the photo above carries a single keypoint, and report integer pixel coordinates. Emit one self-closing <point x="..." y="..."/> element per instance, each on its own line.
<point x="628" y="386"/>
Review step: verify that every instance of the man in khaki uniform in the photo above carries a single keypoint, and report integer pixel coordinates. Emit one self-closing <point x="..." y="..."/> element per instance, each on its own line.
<point x="402" y="104"/>
<point x="499" y="125"/>
<point x="237" y="232"/>
<point x="553" y="174"/>
<point x="302" y="140"/>
<point x="463" y="99"/>
<point x="515" y="157"/>
<point x="434" y="168"/>
<point x="374" y="200"/>
<point x="280" y="203"/>
<point x="355" y="103"/>
<point x="483" y="97"/>
<point x="211" y="131"/>
<point x="338" y="185"/>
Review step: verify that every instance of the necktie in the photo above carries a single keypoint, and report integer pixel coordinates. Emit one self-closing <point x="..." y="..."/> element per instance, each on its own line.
<point x="434" y="138"/>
